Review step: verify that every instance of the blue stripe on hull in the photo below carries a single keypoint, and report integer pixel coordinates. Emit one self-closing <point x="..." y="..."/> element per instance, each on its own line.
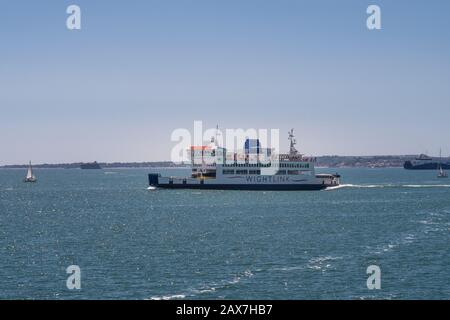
<point x="254" y="187"/>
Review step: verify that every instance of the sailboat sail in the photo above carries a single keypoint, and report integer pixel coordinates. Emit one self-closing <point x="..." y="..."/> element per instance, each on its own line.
<point x="30" y="176"/>
<point x="442" y="173"/>
<point x="30" y="172"/>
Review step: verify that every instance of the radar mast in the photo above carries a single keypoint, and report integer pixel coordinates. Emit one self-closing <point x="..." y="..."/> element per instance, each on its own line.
<point x="293" y="142"/>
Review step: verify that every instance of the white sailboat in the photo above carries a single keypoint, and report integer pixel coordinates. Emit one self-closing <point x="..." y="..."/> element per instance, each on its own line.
<point x="30" y="176"/>
<point x="442" y="173"/>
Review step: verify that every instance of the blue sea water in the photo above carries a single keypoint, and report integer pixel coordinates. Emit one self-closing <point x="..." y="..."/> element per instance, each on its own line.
<point x="132" y="243"/>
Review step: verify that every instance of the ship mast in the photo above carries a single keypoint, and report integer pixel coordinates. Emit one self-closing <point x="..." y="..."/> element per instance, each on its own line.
<point x="293" y="142"/>
<point x="214" y="139"/>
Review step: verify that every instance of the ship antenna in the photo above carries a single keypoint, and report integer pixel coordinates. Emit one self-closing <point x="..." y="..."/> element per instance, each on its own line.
<point x="217" y="134"/>
<point x="293" y="142"/>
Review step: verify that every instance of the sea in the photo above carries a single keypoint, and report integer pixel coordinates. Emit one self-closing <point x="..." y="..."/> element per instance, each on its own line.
<point x="133" y="243"/>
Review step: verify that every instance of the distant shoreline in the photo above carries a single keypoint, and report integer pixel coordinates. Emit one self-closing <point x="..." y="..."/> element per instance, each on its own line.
<point x="321" y="162"/>
<point x="103" y="165"/>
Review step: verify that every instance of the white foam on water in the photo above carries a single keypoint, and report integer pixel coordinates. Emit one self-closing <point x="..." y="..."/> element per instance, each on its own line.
<point x="437" y="214"/>
<point x="151" y="188"/>
<point x="406" y="239"/>
<point x="207" y="290"/>
<point x="168" y="297"/>
<point x="226" y="283"/>
<point x="427" y="222"/>
<point x="430" y="229"/>
<point x="372" y="297"/>
<point x="334" y="188"/>
<point x="426" y="186"/>
<point x="434" y="223"/>
<point x="362" y="186"/>
<point x="237" y="278"/>
<point x="350" y="185"/>
<point x="389" y="247"/>
<point x="321" y="263"/>
<point x="212" y="287"/>
<point x="292" y="268"/>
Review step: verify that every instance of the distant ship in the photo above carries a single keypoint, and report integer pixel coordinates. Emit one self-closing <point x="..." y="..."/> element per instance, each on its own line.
<point x="91" y="165"/>
<point x="255" y="168"/>
<point x="424" y="162"/>
<point x="30" y="176"/>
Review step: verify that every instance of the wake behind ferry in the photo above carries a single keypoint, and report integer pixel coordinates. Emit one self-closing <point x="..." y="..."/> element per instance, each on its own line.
<point x="255" y="168"/>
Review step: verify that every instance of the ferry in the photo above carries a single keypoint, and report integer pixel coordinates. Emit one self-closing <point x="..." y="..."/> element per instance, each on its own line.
<point x="255" y="168"/>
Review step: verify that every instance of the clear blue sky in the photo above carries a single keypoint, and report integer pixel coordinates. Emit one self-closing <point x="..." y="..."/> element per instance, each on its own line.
<point x="137" y="70"/>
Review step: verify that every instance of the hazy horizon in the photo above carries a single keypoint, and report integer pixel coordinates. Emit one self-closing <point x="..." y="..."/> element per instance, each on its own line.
<point x="116" y="89"/>
<point x="129" y="162"/>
